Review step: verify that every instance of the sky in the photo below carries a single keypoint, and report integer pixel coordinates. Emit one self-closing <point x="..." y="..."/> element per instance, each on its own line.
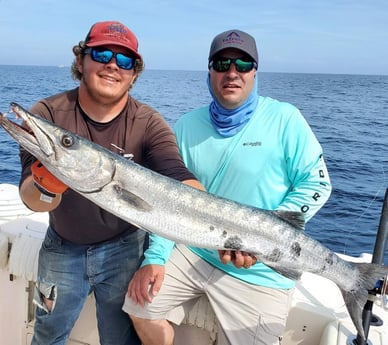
<point x="293" y="36"/>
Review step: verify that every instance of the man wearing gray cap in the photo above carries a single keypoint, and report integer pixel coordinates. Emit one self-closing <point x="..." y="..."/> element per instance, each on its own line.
<point x="250" y="149"/>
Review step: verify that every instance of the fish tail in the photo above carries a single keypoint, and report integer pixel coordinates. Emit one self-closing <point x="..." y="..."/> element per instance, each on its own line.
<point x="356" y="298"/>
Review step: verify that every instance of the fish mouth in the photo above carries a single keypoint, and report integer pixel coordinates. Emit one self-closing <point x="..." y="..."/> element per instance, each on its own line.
<point x="81" y="168"/>
<point x="15" y="127"/>
<point x="29" y="133"/>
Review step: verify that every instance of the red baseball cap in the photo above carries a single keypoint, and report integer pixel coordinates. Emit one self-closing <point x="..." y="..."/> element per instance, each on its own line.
<point x="115" y="33"/>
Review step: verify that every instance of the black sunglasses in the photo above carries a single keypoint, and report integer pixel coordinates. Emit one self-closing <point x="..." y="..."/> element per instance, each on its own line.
<point x="223" y="64"/>
<point x="105" y="55"/>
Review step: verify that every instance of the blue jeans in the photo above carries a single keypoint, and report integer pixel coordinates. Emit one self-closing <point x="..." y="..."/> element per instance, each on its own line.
<point x="68" y="273"/>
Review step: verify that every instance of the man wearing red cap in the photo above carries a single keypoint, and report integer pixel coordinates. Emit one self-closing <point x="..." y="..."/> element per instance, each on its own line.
<point x="87" y="249"/>
<point x="250" y="149"/>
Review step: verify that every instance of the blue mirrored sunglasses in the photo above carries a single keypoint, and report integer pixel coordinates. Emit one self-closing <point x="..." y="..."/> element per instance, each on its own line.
<point x="105" y="55"/>
<point x="223" y="64"/>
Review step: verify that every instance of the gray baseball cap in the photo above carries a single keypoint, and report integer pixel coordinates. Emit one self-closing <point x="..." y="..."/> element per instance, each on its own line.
<point x="234" y="39"/>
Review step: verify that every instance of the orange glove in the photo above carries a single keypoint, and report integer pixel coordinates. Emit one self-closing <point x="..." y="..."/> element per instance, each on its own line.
<point x="46" y="182"/>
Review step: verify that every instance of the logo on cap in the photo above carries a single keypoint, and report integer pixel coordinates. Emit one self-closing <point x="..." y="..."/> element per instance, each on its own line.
<point x="118" y="31"/>
<point x="233" y="38"/>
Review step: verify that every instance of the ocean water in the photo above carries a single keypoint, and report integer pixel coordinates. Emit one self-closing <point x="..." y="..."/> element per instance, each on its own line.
<point x="348" y="113"/>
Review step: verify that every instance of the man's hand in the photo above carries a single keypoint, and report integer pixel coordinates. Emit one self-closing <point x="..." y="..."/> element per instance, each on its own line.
<point x="145" y="283"/>
<point x="238" y="258"/>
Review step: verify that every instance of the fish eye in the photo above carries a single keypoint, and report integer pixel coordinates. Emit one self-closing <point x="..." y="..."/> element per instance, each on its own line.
<point x="67" y="140"/>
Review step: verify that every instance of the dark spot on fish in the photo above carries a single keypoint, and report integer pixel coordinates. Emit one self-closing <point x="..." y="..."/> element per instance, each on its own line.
<point x="330" y="259"/>
<point x="234" y="243"/>
<point x="132" y="199"/>
<point x="296" y="249"/>
<point x="224" y="233"/>
<point x="211" y="228"/>
<point x="275" y="256"/>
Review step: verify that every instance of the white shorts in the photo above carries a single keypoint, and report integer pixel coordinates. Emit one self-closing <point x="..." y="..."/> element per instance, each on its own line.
<point x="246" y="314"/>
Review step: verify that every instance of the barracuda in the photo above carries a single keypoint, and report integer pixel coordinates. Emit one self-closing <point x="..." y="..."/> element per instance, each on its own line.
<point x="186" y="215"/>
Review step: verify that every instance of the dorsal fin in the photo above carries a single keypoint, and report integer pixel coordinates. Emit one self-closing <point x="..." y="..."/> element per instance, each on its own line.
<point x="294" y="218"/>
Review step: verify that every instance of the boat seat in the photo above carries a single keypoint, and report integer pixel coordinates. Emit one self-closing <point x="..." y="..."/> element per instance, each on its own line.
<point x="340" y="332"/>
<point x="23" y="237"/>
<point x="330" y="334"/>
